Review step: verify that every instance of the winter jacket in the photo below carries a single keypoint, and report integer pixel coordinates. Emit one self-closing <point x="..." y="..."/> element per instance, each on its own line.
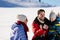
<point x="52" y="30"/>
<point x="52" y="25"/>
<point x="19" y="32"/>
<point x="36" y="27"/>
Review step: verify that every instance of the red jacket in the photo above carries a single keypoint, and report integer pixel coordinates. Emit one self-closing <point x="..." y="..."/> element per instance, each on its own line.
<point x="36" y="28"/>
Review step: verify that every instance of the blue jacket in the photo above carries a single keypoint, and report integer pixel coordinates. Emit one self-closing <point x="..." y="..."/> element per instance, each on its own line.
<point x="58" y="26"/>
<point x="18" y="32"/>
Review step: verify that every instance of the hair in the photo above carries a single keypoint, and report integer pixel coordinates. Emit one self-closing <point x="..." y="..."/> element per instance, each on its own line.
<point x="41" y="10"/>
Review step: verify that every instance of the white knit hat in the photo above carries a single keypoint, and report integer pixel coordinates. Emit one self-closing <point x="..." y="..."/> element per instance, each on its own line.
<point x="21" y="17"/>
<point x="52" y="15"/>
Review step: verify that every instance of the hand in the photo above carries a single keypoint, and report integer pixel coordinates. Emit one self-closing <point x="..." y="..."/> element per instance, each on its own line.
<point x="40" y="26"/>
<point x="45" y="26"/>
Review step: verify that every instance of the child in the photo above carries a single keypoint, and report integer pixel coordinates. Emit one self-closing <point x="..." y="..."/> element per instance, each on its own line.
<point x="20" y="29"/>
<point x="52" y="27"/>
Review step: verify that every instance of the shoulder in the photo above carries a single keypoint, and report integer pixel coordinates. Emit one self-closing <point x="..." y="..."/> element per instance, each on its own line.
<point x="16" y="26"/>
<point x="47" y="21"/>
<point x="35" y="19"/>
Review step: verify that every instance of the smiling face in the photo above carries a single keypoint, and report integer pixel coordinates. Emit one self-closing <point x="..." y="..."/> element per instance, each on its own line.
<point x="52" y="16"/>
<point x="41" y="15"/>
<point x="52" y="19"/>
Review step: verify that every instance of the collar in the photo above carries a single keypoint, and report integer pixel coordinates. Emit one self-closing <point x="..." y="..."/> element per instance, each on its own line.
<point x="40" y="20"/>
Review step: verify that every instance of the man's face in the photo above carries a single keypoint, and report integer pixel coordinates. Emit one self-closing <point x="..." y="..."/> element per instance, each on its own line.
<point x="41" y="15"/>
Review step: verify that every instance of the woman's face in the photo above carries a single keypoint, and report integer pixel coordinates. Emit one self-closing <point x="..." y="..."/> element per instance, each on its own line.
<point x="52" y="19"/>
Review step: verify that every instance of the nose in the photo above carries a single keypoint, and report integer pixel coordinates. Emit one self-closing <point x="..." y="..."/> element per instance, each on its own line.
<point x="42" y="14"/>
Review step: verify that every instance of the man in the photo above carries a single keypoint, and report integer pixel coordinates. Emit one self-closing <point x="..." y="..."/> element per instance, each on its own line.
<point x="40" y="26"/>
<point x="20" y="29"/>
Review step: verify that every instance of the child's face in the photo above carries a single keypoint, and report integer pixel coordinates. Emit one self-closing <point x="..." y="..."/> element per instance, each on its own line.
<point x="52" y="19"/>
<point x="26" y="21"/>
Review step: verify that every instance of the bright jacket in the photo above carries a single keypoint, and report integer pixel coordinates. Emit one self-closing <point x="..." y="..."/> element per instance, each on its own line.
<point x="18" y="32"/>
<point x="36" y="27"/>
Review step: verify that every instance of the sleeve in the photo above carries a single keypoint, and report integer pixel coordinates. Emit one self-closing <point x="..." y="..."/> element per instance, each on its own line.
<point x="20" y="34"/>
<point x="36" y="30"/>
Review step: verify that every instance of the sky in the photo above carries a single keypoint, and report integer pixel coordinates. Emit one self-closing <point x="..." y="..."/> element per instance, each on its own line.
<point x="52" y="2"/>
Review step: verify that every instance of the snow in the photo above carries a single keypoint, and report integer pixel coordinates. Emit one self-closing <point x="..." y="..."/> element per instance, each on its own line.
<point x="24" y="3"/>
<point x="8" y="17"/>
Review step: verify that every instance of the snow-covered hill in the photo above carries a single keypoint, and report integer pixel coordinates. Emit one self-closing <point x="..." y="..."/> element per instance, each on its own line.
<point x="23" y="3"/>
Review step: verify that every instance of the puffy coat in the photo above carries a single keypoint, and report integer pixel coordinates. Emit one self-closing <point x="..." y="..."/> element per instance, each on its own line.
<point x="19" y="31"/>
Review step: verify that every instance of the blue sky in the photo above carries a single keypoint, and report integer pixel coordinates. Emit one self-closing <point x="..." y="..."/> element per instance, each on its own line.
<point x="52" y="2"/>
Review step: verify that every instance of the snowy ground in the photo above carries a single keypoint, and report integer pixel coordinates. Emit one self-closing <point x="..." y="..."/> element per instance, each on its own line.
<point x="8" y="17"/>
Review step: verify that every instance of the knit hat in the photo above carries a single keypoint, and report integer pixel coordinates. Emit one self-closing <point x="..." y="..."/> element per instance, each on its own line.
<point x="52" y="15"/>
<point x="21" y="17"/>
